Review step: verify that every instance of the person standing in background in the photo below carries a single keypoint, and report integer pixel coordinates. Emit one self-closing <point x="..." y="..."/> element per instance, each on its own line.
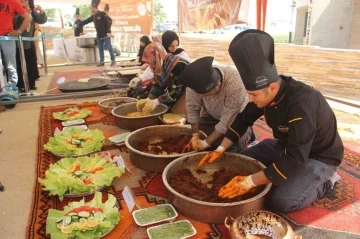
<point x="106" y="10"/>
<point x="39" y="56"/>
<point x="7" y="13"/>
<point x="38" y="16"/>
<point x="103" y="36"/>
<point x="79" y="29"/>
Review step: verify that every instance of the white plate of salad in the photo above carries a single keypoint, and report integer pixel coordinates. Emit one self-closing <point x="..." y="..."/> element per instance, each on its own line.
<point x="71" y="177"/>
<point x="79" y="220"/>
<point x="75" y="142"/>
<point x="72" y="114"/>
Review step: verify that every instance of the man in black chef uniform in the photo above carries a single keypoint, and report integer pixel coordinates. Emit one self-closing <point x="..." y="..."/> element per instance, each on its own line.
<point x="78" y="30"/>
<point x="106" y="10"/>
<point x="302" y="160"/>
<point x="102" y="26"/>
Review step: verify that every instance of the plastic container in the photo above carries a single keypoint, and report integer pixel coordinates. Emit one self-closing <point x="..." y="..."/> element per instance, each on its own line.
<point x="175" y="230"/>
<point x="80" y="127"/>
<point x="9" y="93"/>
<point x="156" y="214"/>
<point x="73" y="122"/>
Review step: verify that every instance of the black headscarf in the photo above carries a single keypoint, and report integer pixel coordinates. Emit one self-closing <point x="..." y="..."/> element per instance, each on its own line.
<point x="167" y="38"/>
<point x="146" y="40"/>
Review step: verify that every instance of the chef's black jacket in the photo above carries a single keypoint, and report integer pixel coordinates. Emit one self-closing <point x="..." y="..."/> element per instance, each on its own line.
<point x="101" y="22"/>
<point x="79" y="29"/>
<point x="304" y="123"/>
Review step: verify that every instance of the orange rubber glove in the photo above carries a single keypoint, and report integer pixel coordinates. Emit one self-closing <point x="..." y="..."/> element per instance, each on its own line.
<point x="212" y="156"/>
<point x="238" y="186"/>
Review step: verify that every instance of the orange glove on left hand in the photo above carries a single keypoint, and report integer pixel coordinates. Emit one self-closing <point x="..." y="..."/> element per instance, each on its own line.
<point x="238" y="186"/>
<point x="212" y="156"/>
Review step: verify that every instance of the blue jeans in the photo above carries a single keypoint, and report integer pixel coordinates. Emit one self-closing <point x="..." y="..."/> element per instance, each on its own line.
<point x="8" y="49"/>
<point x="100" y="43"/>
<point x="297" y="191"/>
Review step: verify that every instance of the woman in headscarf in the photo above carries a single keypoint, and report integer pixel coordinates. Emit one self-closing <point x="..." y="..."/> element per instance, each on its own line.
<point x="166" y="68"/>
<point x="144" y="41"/>
<point x="38" y="16"/>
<point x="171" y="42"/>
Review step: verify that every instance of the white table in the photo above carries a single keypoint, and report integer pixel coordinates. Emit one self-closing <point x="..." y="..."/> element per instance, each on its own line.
<point x="73" y="51"/>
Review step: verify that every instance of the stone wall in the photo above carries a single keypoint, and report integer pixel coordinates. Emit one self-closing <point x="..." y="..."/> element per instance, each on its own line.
<point x="335" y="72"/>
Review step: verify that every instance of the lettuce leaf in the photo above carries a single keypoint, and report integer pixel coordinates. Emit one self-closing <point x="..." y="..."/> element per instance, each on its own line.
<point x="82" y="114"/>
<point x="88" y="141"/>
<point x="60" y="179"/>
<point x="111" y="220"/>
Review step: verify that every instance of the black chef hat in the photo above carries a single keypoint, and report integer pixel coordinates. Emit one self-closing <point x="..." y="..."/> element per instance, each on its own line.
<point x="77" y="12"/>
<point x="31" y="4"/>
<point x="95" y="3"/>
<point x="200" y="75"/>
<point x="106" y="8"/>
<point x="253" y="54"/>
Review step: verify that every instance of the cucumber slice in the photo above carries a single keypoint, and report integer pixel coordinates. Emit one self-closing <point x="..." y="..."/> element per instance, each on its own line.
<point x="78" y="173"/>
<point x="75" y="218"/>
<point x="72" y="214"/>
<point x="67" y="220"/>
<point x="84" y="214"/>
<point x="59" y="220"/>
<point x="99" y="215"/>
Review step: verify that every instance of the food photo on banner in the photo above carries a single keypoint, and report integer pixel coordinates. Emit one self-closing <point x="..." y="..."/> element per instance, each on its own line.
<point x="130" y="16"/>
<point x="211" y="14"/>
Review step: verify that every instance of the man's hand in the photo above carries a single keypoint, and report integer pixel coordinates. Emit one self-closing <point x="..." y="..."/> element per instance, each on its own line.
<point x="238" y="186"/>
<point x="198" y="144"/>
<point x="38" y="8"/>
<point x="134" y="82"/>
<point x="74" y="26"/>
<point x="141" y="103"/>
<point x="108" y="35"/>
<point x="151" y="105"/>
<point x="14" y="33"/>
<point x="212" y="156"/>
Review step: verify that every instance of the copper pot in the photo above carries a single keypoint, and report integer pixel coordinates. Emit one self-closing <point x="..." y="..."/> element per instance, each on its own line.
<point x="259" y="225"/>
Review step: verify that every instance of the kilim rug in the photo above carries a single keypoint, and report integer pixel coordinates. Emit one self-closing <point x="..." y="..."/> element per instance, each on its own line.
<point x="115" y="83"/>
<point x="336" y="215"/>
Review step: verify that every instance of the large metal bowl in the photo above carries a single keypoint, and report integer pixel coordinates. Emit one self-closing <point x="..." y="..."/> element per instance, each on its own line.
<point x="207" y="211"/>
<point x="104" y="104"/>
<point x="86" y="42"/>
<point x="153" y="162"/>
<point x="134" y="123"/>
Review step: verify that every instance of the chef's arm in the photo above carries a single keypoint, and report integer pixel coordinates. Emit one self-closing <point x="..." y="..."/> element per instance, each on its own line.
<point x="259" y="178"/>
<point x="86" y="21"/>
<point x="213" y="137"/>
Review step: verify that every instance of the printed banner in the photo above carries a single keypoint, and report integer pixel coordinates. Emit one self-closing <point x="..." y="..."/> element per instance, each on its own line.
<point x="211" y="14"/>
<point x="130" y="16"/>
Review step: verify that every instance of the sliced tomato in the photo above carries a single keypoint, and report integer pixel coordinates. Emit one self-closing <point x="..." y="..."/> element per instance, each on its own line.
<point x="72" y="113"/>
<point x="86" y="181"/>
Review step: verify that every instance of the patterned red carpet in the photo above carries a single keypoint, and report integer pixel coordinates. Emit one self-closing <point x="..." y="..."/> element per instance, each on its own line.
<point x="336" y="215"/>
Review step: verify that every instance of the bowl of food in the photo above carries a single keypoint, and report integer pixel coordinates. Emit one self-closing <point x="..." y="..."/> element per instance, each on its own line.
<point x="194" y="191"/>
<point x="109" y="104"/>
<point x="127" y="116"/>
<point x="154" y="147"/>
<point x="259" y="224"/>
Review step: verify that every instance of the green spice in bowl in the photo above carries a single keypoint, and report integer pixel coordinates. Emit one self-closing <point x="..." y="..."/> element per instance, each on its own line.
<point x="151" y="215"/>
<point x="175" y="230"/>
